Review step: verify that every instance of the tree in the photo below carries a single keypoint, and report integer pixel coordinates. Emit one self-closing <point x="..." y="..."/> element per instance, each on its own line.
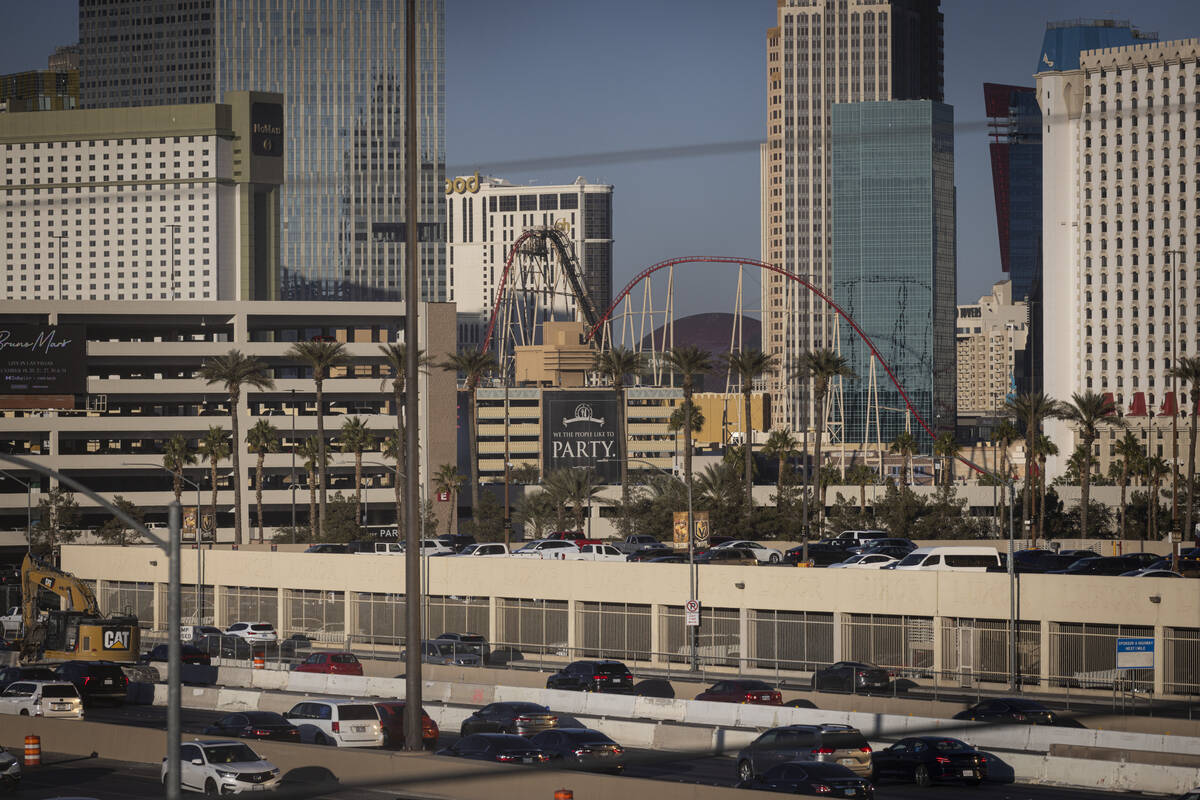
<point x="447" y="480"/>
<point x="320" y="357"/>
<point x="310" y="451"/>
<point x="261" y="439"/>
<point x="1044" y="448"/>
<point x="1129" y="449"/>
<point x="1004" y="435"/>
<point x="57" y="521"/>
<point x="820" y="367"/>
<point x="396" y="356"/>
<point x="115" y="531"/>
<point x="214" y="448"/>
<point x="748" y="365"/>
<point x="860" y="475"/>
<point x="1031" y="409"/>
<point x="177" y="454"/>
<point x="525" y="474"/>
<point x="234" y="371"/>
<point x="574" y="487"/>
<point x="487" y="521"/>
<point x="905" y="446"/>
<point x="1154" y="469"/>
<point x="781" y="445"/>
<point x="393" y="448"/>
<point x="947" y="449"/>
<point x="356" y="438"/>
<point x="473" y="364"/>
<point x="615" y="365"/>
<point x="342" y="524"/>
<point x="688" y="361"/>
<point x="536" y="510"/>
<point x="675" y="422"/>
<point x="1088" y="410"/>
<point x="1187" y="369"/>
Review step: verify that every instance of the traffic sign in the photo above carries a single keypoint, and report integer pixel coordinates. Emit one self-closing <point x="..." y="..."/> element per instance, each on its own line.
<point x="1135" y="653"/>
<point x="691" y="613"/>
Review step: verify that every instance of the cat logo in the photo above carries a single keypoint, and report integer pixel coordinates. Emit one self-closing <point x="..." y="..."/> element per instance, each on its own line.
<point x="47" y="582"/>
<point x="116" y="639"/>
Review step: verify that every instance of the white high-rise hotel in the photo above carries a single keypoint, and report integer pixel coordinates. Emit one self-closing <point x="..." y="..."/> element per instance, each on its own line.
<point x="1121" y="145"/>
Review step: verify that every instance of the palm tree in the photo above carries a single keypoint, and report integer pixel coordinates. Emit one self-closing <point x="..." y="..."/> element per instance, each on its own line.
<point x="1088" y="410"/>
<point x="689" y="361"/>
<point x="947" y="449"/>
<point x="356" y="438"/>
<point x="473" y="364"/>
<point x="214" y="447"/>
<point x="1031" y="409"/>
<point x="1187" y="369"/>
<point x="263" y="438"/>
<point x="1154" y="469"/>
<point x="447" y="480"/>
<point x="393" y="447"/>
<point x="177" y="454"/>
<point x="235" y="370"/>
<point x="748" y="365"/>
<point x="310" y="451"/>
<point x="1131" y="453"/>
<point x="780" y="444"/>
<point x="860" y="475"/>
<point x="616" y="365"/>
<point x="821" y="367"/>
<point x="906" y="447"/>
<point x="1004" y="435"/>
<point x="320" y="357"/>
<point x="675" y="421"/>
<point x="575" y="487"/>
<point x="1044" y="447"/>
<point x="396" y="356"/>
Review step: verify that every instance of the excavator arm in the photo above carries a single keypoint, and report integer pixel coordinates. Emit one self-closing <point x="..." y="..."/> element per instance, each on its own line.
<point x="37" y="577"/>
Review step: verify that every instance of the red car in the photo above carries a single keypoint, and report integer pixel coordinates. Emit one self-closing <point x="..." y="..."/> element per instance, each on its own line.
<point x="391" y="717"/>
<point x="742" y="691"/>
<point x="331" y="664"/>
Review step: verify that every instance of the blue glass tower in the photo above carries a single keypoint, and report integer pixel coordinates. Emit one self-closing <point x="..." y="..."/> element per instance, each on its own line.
<point x="894" y="259"/>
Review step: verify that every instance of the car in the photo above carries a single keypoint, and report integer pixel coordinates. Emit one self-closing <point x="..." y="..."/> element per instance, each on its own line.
<point x="10" y="674"/>
<point x="593" y="676"/>
<point x="582" y="748"/>
<point x="767" y="555"/>
<point x="1150" y="572"/>
<point x="42" y="699"/>
<point x="505" y="748"/>
<point x="1010" y="709"/>
<point x="200" y="631"/>
<point x="866" y="561"/>
<point x="650" y="552"/>
<point x="255" y="725"/>
<point x="819" y="554"/>
<point x="446" y="653"/>
<point x="926" y="759"/>
<point x="728" y="556"/>
<point x="833" y="744"/>
<point x="339" y="663"/>
<point x="225" y="646"/>
<point x="456" y="541"/>
<point x="851" y="676"/>
<point x="484" y="550"/>
<point x="222" y="767"/>
<point x="10" y="770"/>
<point x="95" y="680"/>
<point x="667" y="559"/>
<point x="811" y="778"/>
<point x="344" y="723"/>
<point x="860" y="538"/>
<point x="944" y="558"/>
<point x="1194" y="794"/>
<point x="327" y="547"/>
<point x="391" y="717"/>
<point x="188" y="654"/>
<point x="466" y="643"/>
<point x="596" y="552"/>
<point x="253" y="632"/>
<point x="899" y="543"/>
<point x="524" y="719"/>
<point x="547" y="549"/>
<point x="742" y="690"/>
<point x="427" y="547"/>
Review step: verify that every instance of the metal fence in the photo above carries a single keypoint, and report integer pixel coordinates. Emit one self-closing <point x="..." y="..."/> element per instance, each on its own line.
<point x="376" y="617"/>
<point x="895" y="642"/>
<point x="128" y="597"/>
<point x="456" y="614"/>
<point x="718" y="640"/>
<point x="535" y="626"/>
<point x="978" y="650"/>
<point x="189" y="601"/>
<point x="321" y="615"/>
<point x="1181" y="661"/>
<point x="613" y="630"/>
<point x="1084" y="656"/>
<point x="248" y="604"/>
<point x="790" y="640"/>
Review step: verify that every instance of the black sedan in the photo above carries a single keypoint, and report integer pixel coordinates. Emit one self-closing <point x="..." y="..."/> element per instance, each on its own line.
<point x="812" y="778"/>
<point x="1011" y="709"/>
<point x="255" y="725"/>
<point x="851" y="676"/>
<point x="583" y="748"/>
<point x="650" y="553"/>
<point x="505" y="748"/>
<point x="513" y="717"/>
<point x="926" y="759"/>
<point x="188" y="654"/>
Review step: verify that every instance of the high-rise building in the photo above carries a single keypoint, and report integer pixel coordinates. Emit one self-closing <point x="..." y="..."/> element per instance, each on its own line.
<point x="992" y="336"/>
<point x="894" y="261"/>
<point x="824" y="52"/>
<point x="485" y="216"/>
<point x="340" y="65"/>
<point x="64" y="57"/>
<point x="42" y="90"/>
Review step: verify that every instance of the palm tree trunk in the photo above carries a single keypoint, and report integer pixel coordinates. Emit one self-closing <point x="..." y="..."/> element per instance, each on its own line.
<point x="1027" y="497"/>
<point x="453" y="509"/>
<point x="319" y="380"/>
<point x="235" y="424"/>
<point x="779" y="483"/>
<point x="401" y="459"/>
<point x="862" y="498"/>
<point x="312" y="504"/>
<point x="258" y="471"/>
<point x="820" y="429"/>
<point x="177" y="486"/>
<point x="213" y="476"/>
<point x="1085" y="479"/>
<point x="473" y="439"/>
<point x="687" y="434"/>
<point x="623" y="446"/>
<point x="1191" y="501"/>
<point x="1041" y="514"/>
<point x="749" y="454"/>
<point x="358" y="487"/>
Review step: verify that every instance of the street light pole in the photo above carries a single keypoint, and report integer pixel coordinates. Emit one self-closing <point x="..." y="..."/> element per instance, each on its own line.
<point x="1173" y="256"/>
<point x="1013" y="684"/>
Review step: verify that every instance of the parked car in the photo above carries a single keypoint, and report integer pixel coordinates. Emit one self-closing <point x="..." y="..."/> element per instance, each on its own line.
<point x="728" y="556"/>
<point x="861" y="537"/>
<point x="819" y="554"/>
<point x="596" y="552"/>
<point x="223" y="767"/>
<point x="1109" y="565"/>
<point x="255" y="725"/>
<point x="865" y="561"/>
<point x="593" y="676"/>
<point x="1036" y="561"/>
<point x="742" y="690"/>
<point x="446" y="653"/>
<point x="578" y="538"/>
<point x="391" y="717"/>
<point x="524" y="719"/>
<point x="851" y="676"/>
<point x="767" y="555"/>
<point x="457" y="541"/>
<point x="674" y="558"/>
<point x="41" y="699"/>
<point x="95" y="680"/>
<point x="10" y="770"/>
<point x="811" y="778"/>
<point x="926" y="759"/>
<point x="907" y="545"/>
<point x="12" y="674"/>
<point x="966" y="558"/>
<point x="327" y="547"/>
<point x="1150" y="572"/>
<point x="833" y="744"/>
<point x="505" y="748"/>
<point x="430" y="547"/>
<point x="345" y="723"/>
<point x="200" y="631"/>
<point x="253" y="632"/>
<point x="225" y="646"/>
<point x="583" y="748"/>
<point x="546" y="548"/>
<point x="636" y="542"/>
<point x="650" y="552"/>
<point x="339" y="663"/>
<point x="1010" y="709"/>
<point x="188" y="654"/>
<point x="467" y="643"/>
<point x="484" y="550"/>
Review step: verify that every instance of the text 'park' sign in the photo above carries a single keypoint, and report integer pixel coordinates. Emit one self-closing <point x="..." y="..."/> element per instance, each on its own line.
<point x="43" y="359"/>
<point x="580" y="429"/>
<point x="1135" y="653"/>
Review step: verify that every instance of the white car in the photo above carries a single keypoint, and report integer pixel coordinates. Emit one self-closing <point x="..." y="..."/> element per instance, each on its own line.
<point x="10" y="769"/>
<point x="761" y="552"/>
<point x="866" y="561"/>
<point x="11" y="623"/>
<point x="345" y="723"/>
<point x="548" y="548"/>
<point x="223" y="767"/>
<point x="432" y="547"/>
<point x="596" y="552"/>
<point x="42" y="699"/>
<point x="253" y="632"/>
<point x="484" y="550"/>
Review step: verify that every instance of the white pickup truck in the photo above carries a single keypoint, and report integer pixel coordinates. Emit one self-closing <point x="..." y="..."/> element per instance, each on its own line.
<point x="548" y="549"/>
<point x="596" y="552"/>
<point x="483" y="550"/>
<point x="11" y="623"/>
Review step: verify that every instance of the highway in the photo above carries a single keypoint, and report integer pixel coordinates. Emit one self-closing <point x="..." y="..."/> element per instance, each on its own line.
<point x="105" y="779"/>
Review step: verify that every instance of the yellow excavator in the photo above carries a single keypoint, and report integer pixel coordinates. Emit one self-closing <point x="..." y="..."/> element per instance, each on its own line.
<point x="78" y="632"/>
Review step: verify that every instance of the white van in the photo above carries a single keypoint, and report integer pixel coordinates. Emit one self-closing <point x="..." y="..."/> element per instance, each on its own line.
<point x="951" y="559"/>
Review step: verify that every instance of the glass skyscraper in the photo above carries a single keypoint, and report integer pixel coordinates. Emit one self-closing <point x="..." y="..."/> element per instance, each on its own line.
<point x="894" y="260"/>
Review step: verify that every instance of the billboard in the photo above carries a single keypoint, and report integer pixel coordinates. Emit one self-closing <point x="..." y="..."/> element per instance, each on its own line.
<point x="580" y="429"/>
<point x="43" y="359"/>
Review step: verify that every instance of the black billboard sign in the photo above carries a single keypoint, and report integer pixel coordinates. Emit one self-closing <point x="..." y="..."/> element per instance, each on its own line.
<point x="580" y="429"/>
<point x="266" y="129"/>
<point x="43" y="359"/>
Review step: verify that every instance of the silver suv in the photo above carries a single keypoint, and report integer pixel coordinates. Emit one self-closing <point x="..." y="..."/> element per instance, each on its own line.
<point x="835" y="744"/>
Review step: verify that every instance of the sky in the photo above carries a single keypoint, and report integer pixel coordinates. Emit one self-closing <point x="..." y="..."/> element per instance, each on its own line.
<point x="553" y="84"/>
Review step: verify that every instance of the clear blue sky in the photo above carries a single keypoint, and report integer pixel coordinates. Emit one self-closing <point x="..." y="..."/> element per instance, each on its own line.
<point x="537" y="79"/>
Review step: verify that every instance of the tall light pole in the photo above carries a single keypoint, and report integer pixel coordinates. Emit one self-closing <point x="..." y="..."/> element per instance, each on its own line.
<point x="58" y="238"/>
<point x="173" y="228"/>
<point x="28" y="509"/>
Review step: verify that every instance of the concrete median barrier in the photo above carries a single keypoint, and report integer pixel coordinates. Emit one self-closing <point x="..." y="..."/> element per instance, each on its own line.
<point x="299" y="682"/>
<point x="348" y="685"/>
<point x="704" y="712"/>
<point x="598" y="704"/>
<point x="471" y="694"/>
<point x="659" y="708"/>
<point x="237" y="700"/>
<point x="198" y="697"/>
<point x="269" y="679"/>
